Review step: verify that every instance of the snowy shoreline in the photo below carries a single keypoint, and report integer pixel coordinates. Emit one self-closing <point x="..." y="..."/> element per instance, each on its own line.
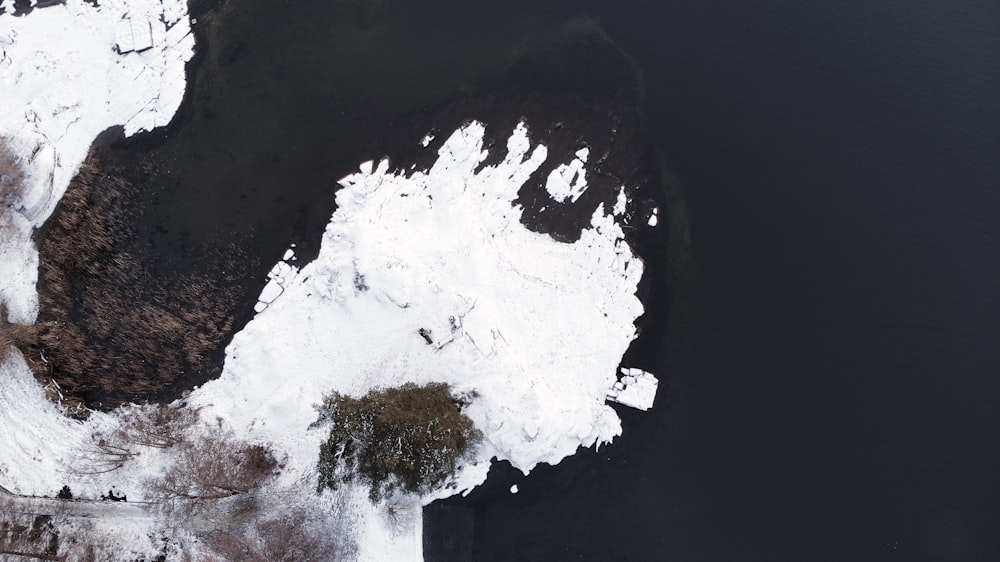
<point x="534" y="327"/>
<point x="74" y="45"/>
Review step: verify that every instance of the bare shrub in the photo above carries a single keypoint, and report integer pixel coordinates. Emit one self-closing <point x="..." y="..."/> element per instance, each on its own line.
<point x="152" y="425"/>
<point x="287" y="537"/>
<point x="157" y="425"/>
<point x="407" y="439"/>
<point x="105" y="453"/>
<point x="213" y="468"/>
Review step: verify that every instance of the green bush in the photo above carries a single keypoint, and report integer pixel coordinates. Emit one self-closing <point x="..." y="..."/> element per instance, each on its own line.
<point x="409" y="438"/>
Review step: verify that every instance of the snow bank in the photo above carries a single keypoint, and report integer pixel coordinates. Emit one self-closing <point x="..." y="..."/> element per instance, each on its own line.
<point x="62" y="82"/>
<point x="534" y="327"/>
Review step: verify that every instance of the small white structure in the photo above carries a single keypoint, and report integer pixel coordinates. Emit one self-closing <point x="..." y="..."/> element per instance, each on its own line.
<point x="134" y="36"/>
<point x="635" y="389"/>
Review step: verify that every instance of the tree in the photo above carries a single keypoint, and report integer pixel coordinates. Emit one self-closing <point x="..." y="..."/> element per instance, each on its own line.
<point x="213" y="468"/>
<point x="409" y="439"/>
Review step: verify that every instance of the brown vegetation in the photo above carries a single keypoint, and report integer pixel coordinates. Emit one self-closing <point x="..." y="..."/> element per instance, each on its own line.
<point x="14" y="335"/>
<point x="109" y="330"/>
<point x="282" y="538"/>
<point x="11" y="177"/>
<point x="409" y="439"/>
<point x="213" y="468"/>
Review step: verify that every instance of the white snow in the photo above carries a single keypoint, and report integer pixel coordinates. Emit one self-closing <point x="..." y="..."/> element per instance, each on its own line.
<point x="569" y="181"/>
<point x="654" y="218"/>
<point x="62" y="83"/>
<point x="38" y="441"/>
<point x="513" y="489"/>
<point x="427" y="140"/>
<point x="620" y="203"/>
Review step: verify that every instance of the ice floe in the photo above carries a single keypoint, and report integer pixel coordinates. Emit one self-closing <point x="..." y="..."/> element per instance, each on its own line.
<point x="568" y="181"/>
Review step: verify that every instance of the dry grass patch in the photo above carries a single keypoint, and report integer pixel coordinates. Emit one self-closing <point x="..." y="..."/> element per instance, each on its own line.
<point x="110" y="331"/>
<point x="13" y="335"/>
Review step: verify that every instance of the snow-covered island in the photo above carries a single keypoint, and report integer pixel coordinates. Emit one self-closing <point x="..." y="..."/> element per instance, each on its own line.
<point x="422" y="277"/>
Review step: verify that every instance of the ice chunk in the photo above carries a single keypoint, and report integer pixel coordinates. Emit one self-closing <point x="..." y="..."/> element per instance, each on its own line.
<point x="569" y="181"/>
<point x="636" y="389"/>
<point x="271" y="291"/>
<point x="622" y="200"/>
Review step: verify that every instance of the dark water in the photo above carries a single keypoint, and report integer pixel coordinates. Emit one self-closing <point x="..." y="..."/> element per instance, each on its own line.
<point x="830" y="374"/>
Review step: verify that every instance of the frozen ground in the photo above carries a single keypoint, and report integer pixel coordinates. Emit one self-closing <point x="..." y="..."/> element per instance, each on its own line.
<point x="533" y="328"/>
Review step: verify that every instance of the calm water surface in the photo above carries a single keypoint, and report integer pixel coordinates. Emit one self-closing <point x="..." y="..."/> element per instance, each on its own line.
<point x="832" y="371"/>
